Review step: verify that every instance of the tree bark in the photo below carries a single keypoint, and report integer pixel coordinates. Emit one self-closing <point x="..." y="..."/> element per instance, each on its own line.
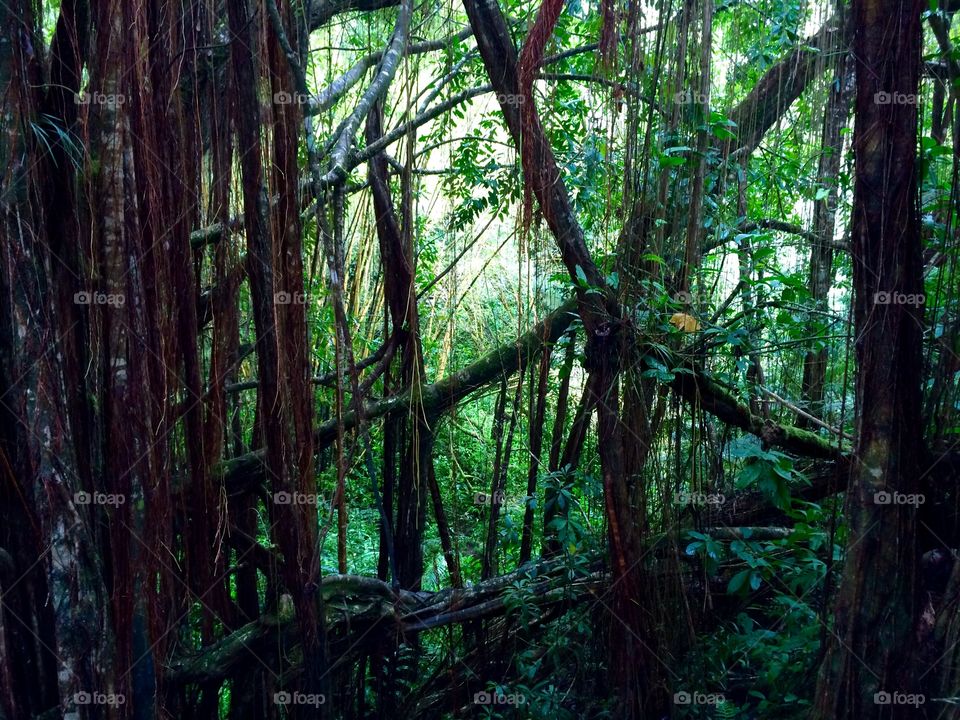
<point x="276" y="281"/>
<point x="538" y="406"/>
<point x="824" y="220"/>
<point x="875" y="605"/>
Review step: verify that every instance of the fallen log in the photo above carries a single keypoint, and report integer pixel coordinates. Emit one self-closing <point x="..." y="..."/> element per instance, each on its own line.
<point x="355" y="604"/>
<point x="695" y="386"/>
<point x="247" y="471"/>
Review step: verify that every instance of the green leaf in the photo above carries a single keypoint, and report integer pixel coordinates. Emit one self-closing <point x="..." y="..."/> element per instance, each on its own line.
<point x="672" y="160"/>
<point x="581" y="277"/>
<point x="723" y="133"/>
<point x="737" y="582"/>
<point x="750" y="475"/>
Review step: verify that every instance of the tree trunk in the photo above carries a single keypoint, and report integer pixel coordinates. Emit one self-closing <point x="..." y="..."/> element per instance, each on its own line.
<point x="875" y="605"/>
<point x="537" y="416"/>
<point x="824" y="217"/>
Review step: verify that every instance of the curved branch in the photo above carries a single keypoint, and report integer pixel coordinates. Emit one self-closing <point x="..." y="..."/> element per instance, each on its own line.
<point x="388" y="68"/>
<point x="339" y="87"/>
<point x="421" y="119"/>
<point x="780" y="86"/>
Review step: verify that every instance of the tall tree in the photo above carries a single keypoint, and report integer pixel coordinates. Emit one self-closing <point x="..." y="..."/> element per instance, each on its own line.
<point x="876" y="600"/>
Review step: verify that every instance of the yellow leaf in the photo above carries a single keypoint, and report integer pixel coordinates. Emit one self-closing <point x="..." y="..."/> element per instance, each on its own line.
<point x="684" y="322"/>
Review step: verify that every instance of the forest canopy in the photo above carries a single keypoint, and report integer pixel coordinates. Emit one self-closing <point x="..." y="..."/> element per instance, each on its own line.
<point x="495" y="359"/>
